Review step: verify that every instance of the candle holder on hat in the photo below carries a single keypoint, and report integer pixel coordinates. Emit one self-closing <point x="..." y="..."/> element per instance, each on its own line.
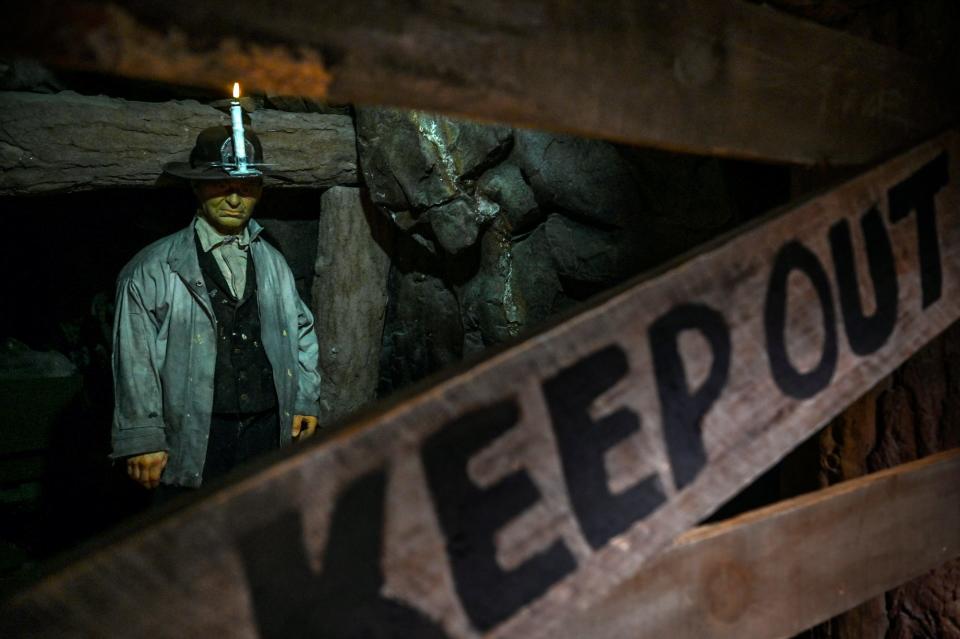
<point x="226" y="152"/>
<point x="239" y="140"/>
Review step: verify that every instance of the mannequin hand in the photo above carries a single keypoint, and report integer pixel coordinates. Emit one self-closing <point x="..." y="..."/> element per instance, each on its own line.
<point x="303" y="426"/>
<point x="146" y="469"/>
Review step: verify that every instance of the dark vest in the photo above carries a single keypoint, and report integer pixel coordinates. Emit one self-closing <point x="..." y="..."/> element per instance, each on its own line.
<point x="243" y="381"/>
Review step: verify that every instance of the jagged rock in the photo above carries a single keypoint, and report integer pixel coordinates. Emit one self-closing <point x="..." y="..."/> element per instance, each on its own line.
<point x="420" y="168"/>
<point x="422" y="333"/>
<point x="456" y="224"/>
<point x="557" y="219"/>
<point x="537" y="291"/>
<point x="399" y="167"/>
<point x="491" y="313"/>
<point x="586" y="178"/>
<point x="398" y="177"/>
<point x="586" y="254"/>
<point x="520" y="284"/>
<point x="504" y="185"/>
<point x="463" y="148"/>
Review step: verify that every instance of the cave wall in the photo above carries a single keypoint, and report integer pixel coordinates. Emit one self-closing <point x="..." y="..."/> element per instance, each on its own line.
<point x="498" y="229"/>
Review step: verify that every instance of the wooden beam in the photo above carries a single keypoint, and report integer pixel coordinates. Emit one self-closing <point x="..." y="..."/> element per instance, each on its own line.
<point x="780" y="570"/>
<point x="68" y="142"/>
<point x="721" y="77"/>
<point x="539" y="480"/>
<point x="351" y="296"/>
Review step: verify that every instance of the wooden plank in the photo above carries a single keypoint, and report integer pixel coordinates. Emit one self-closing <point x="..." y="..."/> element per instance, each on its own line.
<point x="68" y="142"/>
<point x="779" y="570"/>
<point x="721" y="77"/>
<point x="540" y="479"/>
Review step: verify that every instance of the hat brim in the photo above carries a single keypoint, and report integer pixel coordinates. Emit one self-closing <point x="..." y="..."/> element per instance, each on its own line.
<point x="185" y="171"/>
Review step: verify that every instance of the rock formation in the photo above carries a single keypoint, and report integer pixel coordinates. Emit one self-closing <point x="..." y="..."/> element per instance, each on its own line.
<point x="500" y="228"/>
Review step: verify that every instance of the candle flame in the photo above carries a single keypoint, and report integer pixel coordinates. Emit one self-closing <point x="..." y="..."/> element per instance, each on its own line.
<point x="236" y="89"/>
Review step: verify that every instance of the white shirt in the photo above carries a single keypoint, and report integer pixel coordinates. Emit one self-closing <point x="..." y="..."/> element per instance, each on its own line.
<point x="229" y="253"/>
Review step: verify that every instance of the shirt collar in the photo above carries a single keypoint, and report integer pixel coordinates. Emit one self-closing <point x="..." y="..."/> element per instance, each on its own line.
<point x="210" y="238"/>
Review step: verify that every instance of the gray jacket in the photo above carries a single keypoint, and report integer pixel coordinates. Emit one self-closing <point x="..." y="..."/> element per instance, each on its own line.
<point x="165" y="351"/>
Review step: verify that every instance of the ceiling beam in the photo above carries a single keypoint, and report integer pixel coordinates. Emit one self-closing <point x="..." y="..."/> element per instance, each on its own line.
<point x="718" y="77"/>
<point x="67" y="142"/>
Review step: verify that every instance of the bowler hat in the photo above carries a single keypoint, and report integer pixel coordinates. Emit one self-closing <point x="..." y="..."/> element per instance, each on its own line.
<point x="212" y="157"/>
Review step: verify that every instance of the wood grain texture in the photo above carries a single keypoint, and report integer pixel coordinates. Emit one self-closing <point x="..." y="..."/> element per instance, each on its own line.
<point x="706" y="76"/>
<point x="350" y="293"/>
<point x="911" y="414"/>
<point x="68" y="142"/>
<point x="423" y="477"/>
<point x="781" y="569"/>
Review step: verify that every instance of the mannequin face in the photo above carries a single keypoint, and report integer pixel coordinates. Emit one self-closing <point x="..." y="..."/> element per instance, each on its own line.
<point x="228" y="204"/>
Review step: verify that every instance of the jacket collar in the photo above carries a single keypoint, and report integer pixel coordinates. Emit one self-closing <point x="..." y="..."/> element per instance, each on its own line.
<point x="183" y="252"/>
<point x="210" y="238"/>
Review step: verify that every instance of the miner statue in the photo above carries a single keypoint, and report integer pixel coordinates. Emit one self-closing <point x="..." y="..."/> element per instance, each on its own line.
<point x="214" y="352"/>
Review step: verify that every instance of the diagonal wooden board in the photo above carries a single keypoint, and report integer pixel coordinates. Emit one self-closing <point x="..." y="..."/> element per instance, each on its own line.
<point x="720" y="77"/>
<point x="539" y="480"/>
<point x="779" y="570"/>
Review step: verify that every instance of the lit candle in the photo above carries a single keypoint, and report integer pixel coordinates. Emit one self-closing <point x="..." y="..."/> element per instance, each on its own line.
<point x="236" y="120"/>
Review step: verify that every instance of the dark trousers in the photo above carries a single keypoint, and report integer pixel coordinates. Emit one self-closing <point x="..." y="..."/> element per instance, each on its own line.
<point x="234" y="439"/>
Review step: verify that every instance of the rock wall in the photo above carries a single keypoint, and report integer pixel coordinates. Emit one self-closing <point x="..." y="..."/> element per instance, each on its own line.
<point x="500" y="228"/>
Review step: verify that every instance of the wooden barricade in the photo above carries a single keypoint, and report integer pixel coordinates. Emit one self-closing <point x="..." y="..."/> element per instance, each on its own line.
<point x="779" y="570"/>
<point x="532" y="485"/>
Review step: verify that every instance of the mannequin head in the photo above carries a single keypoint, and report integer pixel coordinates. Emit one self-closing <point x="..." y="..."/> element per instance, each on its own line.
<point x="227" y="204"/>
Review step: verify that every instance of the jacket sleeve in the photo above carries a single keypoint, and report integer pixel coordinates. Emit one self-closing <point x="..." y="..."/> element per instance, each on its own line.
<point x="308" y="352"/>
<point x="138" y="425"/>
